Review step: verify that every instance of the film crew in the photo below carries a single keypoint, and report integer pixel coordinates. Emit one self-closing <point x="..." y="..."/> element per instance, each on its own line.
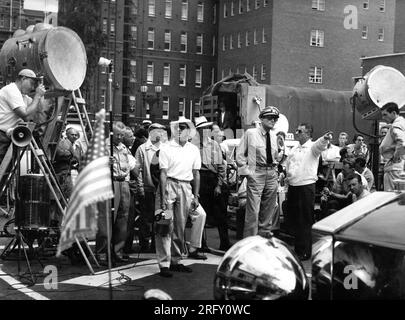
<point x="146" y="155"/>
<point x="128" y="140"/>
<point x="16" y="106"/>
<point x="338" y="197"/>
<point x="383" y="132"/>
<point x="213" y="193"/>
<point x="358" y="148"/>
<point x="302" y="165"/>
<point x="357" y="190"/>
<point x="179" y="163"/>
<point x="258" y="149"/>
<point x="361" y="168"/>
<point x="146" y="124"/>
<point x="343" y="140"/>
<point x="122" y="162"/>
<point x="392" y="147"/>
<point x="141" y="135"/>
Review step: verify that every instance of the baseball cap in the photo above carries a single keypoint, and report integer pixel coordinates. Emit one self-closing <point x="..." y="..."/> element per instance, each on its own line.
<point x="29" y="74"/>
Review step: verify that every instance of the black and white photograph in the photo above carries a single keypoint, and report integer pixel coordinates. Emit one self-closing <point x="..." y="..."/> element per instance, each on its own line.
<point x="209" y="152"/>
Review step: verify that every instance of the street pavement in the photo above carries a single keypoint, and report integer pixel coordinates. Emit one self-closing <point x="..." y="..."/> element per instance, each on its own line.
<point x="58" y="279"/>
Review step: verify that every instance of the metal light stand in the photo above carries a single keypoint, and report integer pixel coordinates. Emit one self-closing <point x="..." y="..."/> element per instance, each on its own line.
<point x="18" y="239"/>
<point x="375" y="157"/>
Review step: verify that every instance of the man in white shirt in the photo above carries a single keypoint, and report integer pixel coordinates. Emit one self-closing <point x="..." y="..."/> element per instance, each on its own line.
<point x="301" y="167"/>
<point x="392" y="148"/>
<point x="16" y="106"/>
<point x="179" y="163"/>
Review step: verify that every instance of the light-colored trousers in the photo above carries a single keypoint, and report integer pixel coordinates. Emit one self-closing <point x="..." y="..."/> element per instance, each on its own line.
<point x="261" y="203"/>
<point x="389" y="177"/>
<point x="170" y="247"/>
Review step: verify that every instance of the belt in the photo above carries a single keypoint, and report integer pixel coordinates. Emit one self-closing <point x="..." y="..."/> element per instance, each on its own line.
<point x="120" y="179"/>
<point x="178" y="180"/>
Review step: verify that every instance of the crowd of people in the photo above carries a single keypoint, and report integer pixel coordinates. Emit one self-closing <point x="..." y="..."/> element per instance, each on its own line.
<point x="167" y="176"/>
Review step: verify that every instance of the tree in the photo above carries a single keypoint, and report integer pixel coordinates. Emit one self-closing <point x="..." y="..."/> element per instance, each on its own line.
<point x="83" y="17"/>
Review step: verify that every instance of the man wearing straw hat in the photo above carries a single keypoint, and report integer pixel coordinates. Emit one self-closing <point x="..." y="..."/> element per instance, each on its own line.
<point x="179" y="163"/>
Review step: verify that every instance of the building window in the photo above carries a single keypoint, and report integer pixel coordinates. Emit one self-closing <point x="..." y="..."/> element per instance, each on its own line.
<point x="240" y="7"/>
<point x="183" y="74"/>
<point x="315" y="75"/>
<point x="265" y="3"/>
<point x="149" y="72"/>
<point x="105" y="24"/>
<point x="214" y="14"/>
<point x="182" y="106"/>
<point x="169" y="9"/>
<point x="112" y="28"/>
<point x="380" y="34"/>
<point x="318" y="5"/>
<point x="165" y="108"/>
<point x="254" y="72"/>
<point x="264" y="36"/>
<point x="247" y="5"/>
<point x="134" y="7"/>
<point x="166" y="74"/>
<point x="223" y="43"/>
<point x="230" y="42"/>
<point x="147" y="115"/>
<point x="255" y="37"/>
<point x="199" y="44"/>
<point x="364" y="32"/>
<point x="102" y="97"/>
<point x="232" y="9"/>
<point x="168" y="40"/>
<point x="257" y="4"/>
<point x="200" y="12"/>
<point x="134" y="36"/>
<point x="381" y="6"/>
<point x="132" y="103"/>
<point x="263" y="72"/>
<point x="183" y="41"/>
<point x="222" y="74"/>
<point x="151" y="38"/>
<point x="317" y="38"/>
<point x="225" y="11"/>
<point x="197" y="108"/>
<point x="184" y="9"/>
<point x="198" y="76"/>
<point x="132" y="76"/>
<point x="214" y="42"/>
<point x="151" y="8"/>
<point x="239" y="41"/>
<point x="366" y="4"/>
<point x="247" y="42"/>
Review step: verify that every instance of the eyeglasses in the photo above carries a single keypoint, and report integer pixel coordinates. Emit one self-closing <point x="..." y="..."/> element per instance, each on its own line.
<point x="271" y="118"/>
<point x="298" y="131"/>
<point x="181" y="128"/>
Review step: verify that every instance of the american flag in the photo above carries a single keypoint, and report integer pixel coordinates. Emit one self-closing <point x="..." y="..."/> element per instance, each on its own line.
<point x="93" y="184"/>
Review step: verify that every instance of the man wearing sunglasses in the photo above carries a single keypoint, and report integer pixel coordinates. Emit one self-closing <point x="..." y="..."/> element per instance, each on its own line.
<point x="302" y="167"/>
<point x="258" y="149"/>
<point x="179" y="163"/>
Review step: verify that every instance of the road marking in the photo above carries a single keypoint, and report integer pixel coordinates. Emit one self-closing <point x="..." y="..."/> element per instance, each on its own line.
<point x="15" y="284"/>
<point x="133" y="271"/>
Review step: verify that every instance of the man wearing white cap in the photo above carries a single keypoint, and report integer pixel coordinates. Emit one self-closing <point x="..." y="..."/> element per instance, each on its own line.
<point x="179" y="163"/>
<point x="213" y="180"/>
<point x="258" y="149"/>
<point x="16" y="106"/>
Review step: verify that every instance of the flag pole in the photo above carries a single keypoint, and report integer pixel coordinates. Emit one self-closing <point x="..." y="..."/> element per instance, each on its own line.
<point x="110" y="220"/>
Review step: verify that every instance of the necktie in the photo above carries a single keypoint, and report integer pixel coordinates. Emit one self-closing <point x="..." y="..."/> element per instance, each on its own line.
<point x="268" y="149"/>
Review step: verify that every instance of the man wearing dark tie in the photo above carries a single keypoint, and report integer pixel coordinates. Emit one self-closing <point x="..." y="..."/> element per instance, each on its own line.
<point x="258" y="150"/>
<point x="225" y="118"/>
